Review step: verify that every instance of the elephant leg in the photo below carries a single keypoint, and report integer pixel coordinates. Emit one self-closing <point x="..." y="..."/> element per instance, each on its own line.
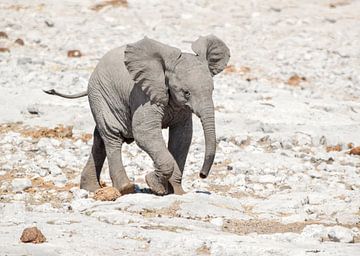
<point x="90" y="176"/>
<point x="147" y="133"/>
<point x="180" y="136"/>
<point x="117" y="172"/>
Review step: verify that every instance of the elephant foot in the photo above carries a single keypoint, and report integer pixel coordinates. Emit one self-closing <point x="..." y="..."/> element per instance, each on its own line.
<point x="127" y="188"/>
<point x="175" y="188"/>
<point x="156" y="184"/>
<point x="89" y="185"/>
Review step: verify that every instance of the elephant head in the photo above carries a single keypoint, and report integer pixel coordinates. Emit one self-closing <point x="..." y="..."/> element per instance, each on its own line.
<point x="164" y="72"/>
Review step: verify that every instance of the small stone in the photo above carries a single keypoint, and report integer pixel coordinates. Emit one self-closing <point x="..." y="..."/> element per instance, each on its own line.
<point x="107" y="194"/>
<point x="219" y="222"/>
<point x="55" y="170"/>
<point x="314" y="174"/>
<point x="32" y="235"/>
<point x="33" y="110"/>
<point x="3" y="34"/>
<point x="19" y="41"/>
<point x="49" y="23"/>
<point x="317" y="232"/>
<point x="295" y="80"/>
<point x="322" y="140"/>
<point x="21" y="184"/>
<point x="79" y="193"/>
<point x="4" y="49"/>
<point x="74" y="54"/>
<point x="60" y="180"/>
<point x="355" y="151"/>
<point x="340" y="234"/>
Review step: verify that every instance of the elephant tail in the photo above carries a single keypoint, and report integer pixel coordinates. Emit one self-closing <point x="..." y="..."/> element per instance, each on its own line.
<point x="67" y="96"/>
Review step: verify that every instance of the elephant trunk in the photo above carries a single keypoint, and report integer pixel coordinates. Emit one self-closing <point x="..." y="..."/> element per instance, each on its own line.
<point x="208" y="122"/>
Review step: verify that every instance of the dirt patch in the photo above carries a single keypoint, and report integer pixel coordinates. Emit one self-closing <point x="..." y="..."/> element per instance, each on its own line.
<point x="112" y="3"/>
<point x="203" y="250"/>
<point x="270" y="227"/>
<point x="39" y="183"/>
<point x="58" y="132"/>
<point x="171" y="211"/>
<point x="232" y="69"/>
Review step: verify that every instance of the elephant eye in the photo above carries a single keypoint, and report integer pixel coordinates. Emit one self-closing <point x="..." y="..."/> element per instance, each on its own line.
<point x="187" y="94"/>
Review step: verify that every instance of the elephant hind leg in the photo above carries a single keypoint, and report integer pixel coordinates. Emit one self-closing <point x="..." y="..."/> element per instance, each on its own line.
<point x="90" y="176"/>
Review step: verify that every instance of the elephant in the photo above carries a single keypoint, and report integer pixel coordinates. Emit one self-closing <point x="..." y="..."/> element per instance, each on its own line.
<point x="137" y="90"/>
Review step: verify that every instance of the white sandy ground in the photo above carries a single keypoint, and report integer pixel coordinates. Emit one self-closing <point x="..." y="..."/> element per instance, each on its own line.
<point x="274" y="189"/>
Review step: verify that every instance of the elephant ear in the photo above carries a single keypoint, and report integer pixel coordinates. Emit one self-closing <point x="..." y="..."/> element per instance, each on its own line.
<point x="147" y="60"/>
<point x="214" y="51"/>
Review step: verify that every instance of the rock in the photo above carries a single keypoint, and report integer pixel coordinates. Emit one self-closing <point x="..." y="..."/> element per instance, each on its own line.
<point x="60" y="180"/>
<point x="4" y="49"/>
<point x="267" y="179"/>
<point x="32" y="235"/>
<point x="340" y="234"/>
<point x="21" y="184"/>
<point x="55" y="170"/>
<point x="81" y="204"/>
<point x="317" y="232"/>
<point x="74" y="54"/>
<point x="34" y="110"/>
<point x="355" y="151"/>
<point x="3" y="34"/>
<point x="79" y="193"/>
<point x="49" y="23"/>
<point x="219" y="222"/>
<point x="295" y="80"/>
<point x="107" y="194"/>
<point x="19" y="41"/>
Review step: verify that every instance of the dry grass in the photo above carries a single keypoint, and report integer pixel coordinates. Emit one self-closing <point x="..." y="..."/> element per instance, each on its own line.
<point x="333" y="148"/>
<point x="232" y="69"/>
<point x="203" y="250"/>
<point x="112" y="3"/>
<point x="170" y="211"/>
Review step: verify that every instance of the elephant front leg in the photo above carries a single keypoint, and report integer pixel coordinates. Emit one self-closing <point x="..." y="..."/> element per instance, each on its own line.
<point x="180" y="136"/>
<point x="117" y="171"/>
<point x="147" y="133"/>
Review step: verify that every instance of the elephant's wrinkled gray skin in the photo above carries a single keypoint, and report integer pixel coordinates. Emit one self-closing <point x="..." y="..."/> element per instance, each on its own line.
<point x="137" y="90"/>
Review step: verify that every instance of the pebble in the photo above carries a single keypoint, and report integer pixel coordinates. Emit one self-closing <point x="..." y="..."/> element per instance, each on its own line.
<point x="79" y="193"/>
<point x="317" y="232"/>
<point x="55" y="170"/>
<point x="60" y="180"/>
<point x="24" y="61"/>
<point x="20" y="184"/>
<point x="219" y="222"/>
<point x="340" y="234"/>
<point x="34" y="110"/>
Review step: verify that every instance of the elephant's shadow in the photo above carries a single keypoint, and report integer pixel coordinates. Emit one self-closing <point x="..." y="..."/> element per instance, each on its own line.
<point x="143" y="190"/>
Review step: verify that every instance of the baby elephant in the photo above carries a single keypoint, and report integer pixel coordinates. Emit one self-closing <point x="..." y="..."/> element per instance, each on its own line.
<point x="137" y="90"/>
